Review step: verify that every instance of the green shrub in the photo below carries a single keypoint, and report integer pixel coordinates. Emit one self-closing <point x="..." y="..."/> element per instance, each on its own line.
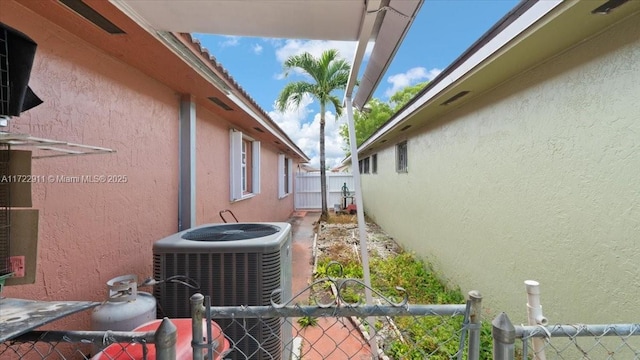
<point x="431" y="336"/>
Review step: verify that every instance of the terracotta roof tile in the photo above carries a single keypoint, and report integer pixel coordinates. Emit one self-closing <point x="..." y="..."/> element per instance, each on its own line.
<point x="227" y="77"/>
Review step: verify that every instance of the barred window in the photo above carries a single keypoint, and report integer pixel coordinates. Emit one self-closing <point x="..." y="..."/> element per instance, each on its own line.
<point x="401" y="157"/>
<point x="374" y="163"/>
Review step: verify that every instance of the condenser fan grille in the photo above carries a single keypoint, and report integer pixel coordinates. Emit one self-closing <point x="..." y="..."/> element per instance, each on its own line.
<point x="231" y="232"/>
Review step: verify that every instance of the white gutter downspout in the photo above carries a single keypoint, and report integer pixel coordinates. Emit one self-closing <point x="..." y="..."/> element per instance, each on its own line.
<point x="362" y="230"/>
<point x="366" y="29"/>
<point x="535" y="317"/>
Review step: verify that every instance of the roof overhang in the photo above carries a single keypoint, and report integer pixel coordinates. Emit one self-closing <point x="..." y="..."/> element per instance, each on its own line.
<point x="310" y="19"/>
<point x="383" y="21"/>
<point x="529" y="35"/>
<point x="192" y="70"/>
<point x="395" y="20"/>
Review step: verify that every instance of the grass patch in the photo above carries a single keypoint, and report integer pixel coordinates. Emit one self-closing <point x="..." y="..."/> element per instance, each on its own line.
<point x="437" y="336"/>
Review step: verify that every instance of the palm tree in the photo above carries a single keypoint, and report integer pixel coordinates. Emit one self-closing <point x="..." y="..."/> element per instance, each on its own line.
<point x="329" y="73"/>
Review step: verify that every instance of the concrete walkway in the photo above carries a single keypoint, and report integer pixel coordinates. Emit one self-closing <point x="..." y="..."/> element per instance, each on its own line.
<point x="331" y="338"/>
<point x="303" y="224"/>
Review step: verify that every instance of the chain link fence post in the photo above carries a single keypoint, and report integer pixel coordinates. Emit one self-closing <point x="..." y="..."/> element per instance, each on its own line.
<point x="197" y="312"/>
<point x="474" y="324"/>
<point x="165" y="339"/>
<point x="504" y="338"/>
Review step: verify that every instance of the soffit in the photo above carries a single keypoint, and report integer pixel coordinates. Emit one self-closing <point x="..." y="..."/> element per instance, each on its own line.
<point x="309" y="19"/>
<point x="564" y="27"/>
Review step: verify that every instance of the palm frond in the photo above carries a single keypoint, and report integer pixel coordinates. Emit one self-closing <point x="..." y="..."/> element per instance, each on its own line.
<point x="293" y="93"/>
<point x="307" y="63"/>
<point x="337" y="105"/>
<point x="329" y="72"/>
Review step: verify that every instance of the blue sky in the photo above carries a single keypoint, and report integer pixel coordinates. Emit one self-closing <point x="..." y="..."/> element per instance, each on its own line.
<point x="442" y="30"/>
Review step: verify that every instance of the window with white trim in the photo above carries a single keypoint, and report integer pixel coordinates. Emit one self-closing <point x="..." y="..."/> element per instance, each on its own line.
<point x="401" y="157"/>
<point x="285" y="176"/>
<point x="244" y="172"/>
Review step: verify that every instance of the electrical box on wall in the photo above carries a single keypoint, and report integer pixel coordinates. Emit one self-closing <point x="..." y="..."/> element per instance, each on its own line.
<point x="23" y="246"/>
<point x="18" y="223"/>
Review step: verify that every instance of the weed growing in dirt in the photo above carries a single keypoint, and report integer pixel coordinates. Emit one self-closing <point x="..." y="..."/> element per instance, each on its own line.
<point x="307" y="321"/>
<point x="342" y="219"/>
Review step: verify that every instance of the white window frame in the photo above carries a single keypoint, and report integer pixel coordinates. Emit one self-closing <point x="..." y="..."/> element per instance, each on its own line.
<point x="238" y="167"/>
<point x="285" y="179"/>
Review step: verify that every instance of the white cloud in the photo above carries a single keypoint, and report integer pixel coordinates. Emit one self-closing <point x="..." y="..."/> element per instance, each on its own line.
<point x="306" y="134"/>
<point x="411" y="77"/>
<point x="257" y="48"/>
<point x="346" y="49"/>
<point x="230" y="41"/>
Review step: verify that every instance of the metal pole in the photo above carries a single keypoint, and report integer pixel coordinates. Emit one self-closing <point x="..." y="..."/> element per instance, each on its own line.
<point x="504" y="338"/>
<point x="474" y="324"/>
<point x="197" y="311"/>
<point x="364" y="253"/>
<point x="211" y="347"/>
<point x="165" y="340"/>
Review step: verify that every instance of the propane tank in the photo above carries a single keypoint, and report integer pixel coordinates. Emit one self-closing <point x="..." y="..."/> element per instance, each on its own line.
<point x="126" y="308"/>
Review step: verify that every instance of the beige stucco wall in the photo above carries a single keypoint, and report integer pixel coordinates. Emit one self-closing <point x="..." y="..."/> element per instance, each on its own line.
<point x="538" y="179"/>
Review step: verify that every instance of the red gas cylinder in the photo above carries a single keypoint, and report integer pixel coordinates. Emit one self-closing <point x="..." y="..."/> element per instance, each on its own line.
<point x="184" y="351"/>
<point x="351" y="209"/>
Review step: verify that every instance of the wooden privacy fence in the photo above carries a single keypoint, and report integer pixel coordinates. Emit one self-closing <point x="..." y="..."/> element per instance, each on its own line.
<point x="308" y="192"/>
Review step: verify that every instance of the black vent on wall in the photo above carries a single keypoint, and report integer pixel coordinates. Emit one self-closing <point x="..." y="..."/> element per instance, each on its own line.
<point x="84" y="10"/>
<point x="17" y="52"/>
<point x="220" y="103"/>
<point x="607" y="7"/>
<point x="455" y="97"/>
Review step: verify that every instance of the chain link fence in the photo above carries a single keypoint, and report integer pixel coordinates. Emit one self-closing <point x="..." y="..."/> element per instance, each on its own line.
<point x="339" y="329"/>
<point x="580" y="341"/>
<point x="333" y="331"/>
<point x="83" y="345"/>
<point x="336" y="329"/>
<point x="414" y="332"/>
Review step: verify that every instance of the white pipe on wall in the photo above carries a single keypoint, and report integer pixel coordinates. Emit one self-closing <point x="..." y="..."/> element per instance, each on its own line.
<point x="535" y="317"/>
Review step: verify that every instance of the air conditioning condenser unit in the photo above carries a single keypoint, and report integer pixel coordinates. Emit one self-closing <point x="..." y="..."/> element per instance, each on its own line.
<point x="235" y="264"/>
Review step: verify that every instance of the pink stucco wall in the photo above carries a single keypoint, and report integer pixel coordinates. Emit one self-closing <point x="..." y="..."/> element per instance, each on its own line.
<point x="89" y="233"/>
<point x="212" y="173"/>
